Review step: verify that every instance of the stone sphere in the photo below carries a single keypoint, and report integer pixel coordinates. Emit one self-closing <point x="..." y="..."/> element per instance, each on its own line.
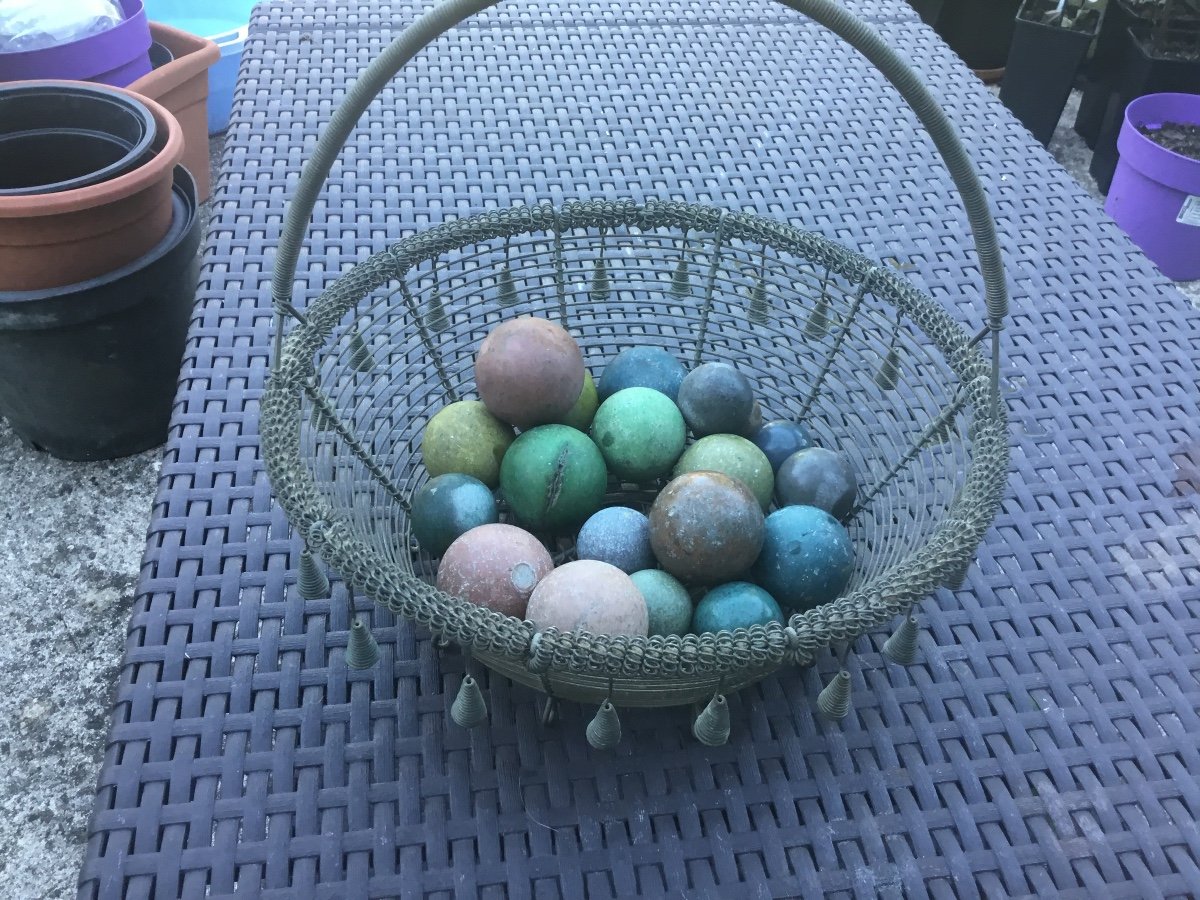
<point x="584" y="410"/>
<point x="706" y="528"/>
<point x="818" y="477"/>
<point x="588" y="595"/>
<point x="667" y="601"/>
<point x="780" y="439"/>
<point x="754" y="422"/>
<point x="648" y="367"/>
<point x="738" y="604"/>
<point x="619" y="536"/>
<point x="807" y="558"/>
<point x="529" y="372"/>
<point x="449" y="506"/>
<point x="716" y="398"/>
<point x="465" y="438"/>
<point x="733" y="456"/>
<point x="553" y="478"/>
<point x="497" y="566"/>
<point x="640" y="432"/>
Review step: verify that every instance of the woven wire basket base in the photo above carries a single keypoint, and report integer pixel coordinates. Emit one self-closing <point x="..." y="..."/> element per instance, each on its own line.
<point x="872" y="366"/>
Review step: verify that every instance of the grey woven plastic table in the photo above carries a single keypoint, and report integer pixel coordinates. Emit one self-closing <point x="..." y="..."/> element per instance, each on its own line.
<point x="1045" y="744"/>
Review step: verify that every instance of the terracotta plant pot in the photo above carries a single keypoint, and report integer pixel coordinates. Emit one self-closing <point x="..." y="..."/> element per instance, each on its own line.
<point x="181" y="85"/>
<point x="48" y="240"/>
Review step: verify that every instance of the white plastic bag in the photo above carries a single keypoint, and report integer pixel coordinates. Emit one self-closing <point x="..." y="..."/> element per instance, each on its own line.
<point x="34" y="24"/>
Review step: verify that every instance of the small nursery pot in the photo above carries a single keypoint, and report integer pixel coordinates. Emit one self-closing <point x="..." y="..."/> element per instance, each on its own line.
<point x="59" y="137"/>
<point x="1040" y="73"/>
<point x="116" y="56"/>
<point x="979" y="31"/>
<point x="160" y="54"/>
<point x="181" y="85"/>
<point x="48" y="240"/>
<point x="1155" y="193"/>
<point x="89" y="371"/>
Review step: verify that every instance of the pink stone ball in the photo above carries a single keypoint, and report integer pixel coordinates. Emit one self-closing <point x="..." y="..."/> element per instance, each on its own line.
<point x="589" y="595"/>
<point x="497" y="566"/>
<point x="529" y="372"/>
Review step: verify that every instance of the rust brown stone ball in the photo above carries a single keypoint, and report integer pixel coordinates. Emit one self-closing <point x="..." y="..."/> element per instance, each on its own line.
<point x="495" y="565"/>
<point x="529" y="372"/>
<point x="706" y="528"/>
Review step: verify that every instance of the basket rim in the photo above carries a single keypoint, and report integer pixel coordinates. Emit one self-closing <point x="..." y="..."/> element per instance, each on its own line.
<point x="880" y="598"/>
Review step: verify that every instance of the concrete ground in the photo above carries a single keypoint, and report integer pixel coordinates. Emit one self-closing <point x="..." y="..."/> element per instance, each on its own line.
<point x="71" y="541"/>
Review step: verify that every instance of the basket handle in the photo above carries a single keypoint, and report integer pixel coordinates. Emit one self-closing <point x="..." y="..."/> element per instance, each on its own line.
<point x="432" y="24"/>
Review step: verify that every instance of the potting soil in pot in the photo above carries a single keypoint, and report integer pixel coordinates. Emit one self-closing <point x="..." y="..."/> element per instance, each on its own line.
<point x="1176" y="137"/>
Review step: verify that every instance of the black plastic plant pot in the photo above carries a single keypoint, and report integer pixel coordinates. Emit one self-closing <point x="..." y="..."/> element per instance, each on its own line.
<point x="979" y="31"/>
<point x="1040" y="73"/>
<point x="1142" y="73"/>
<point x="160" y="55"/>
<point x="61" y="136"/>
<point x="928" y="10"/>
<point x="1107" y="61"/>
<point x="89" y="371"/>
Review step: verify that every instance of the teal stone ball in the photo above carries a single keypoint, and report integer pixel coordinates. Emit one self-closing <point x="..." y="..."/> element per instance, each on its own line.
<point x="807" y="557"/>
<point x="667" y="601"/>
<point x="734" y="456"/>
<point x="553" y="477"/>
<point x="448" y="506"/>
<point x="738" y="604"/>
<point x="649" y="367"/>
<point x="640" y="432"/>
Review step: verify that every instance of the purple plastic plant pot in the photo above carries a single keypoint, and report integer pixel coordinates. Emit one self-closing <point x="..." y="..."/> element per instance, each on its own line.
<point x="118" y="56"/>
<point x="1155" y="193"/>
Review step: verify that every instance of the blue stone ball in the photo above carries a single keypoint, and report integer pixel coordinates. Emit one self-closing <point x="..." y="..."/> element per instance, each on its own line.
<point x="738" y="604"/>
<point x="667" y="601"/>
<point x="806" y="559"/>
<point x="449" y="506"/>
<point x="649" y="367"/>
<point x="716" y="398"/>
<point x="619" y="536"/>
<point x="817" y="477"/>
<point x="780" y="439"/>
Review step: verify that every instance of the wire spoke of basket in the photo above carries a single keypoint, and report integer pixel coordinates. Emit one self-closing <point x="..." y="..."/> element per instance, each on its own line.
<point x="333" y="422"/>
<point x="831" y="353"/>
<point x="929" y="435"/>
<point x="435" y="355"/>
<point x="710" y="291"/>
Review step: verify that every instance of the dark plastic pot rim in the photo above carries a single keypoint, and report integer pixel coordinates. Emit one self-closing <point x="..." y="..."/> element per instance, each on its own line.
<point x="56" y="307"/>
<point x="137" y="152"/>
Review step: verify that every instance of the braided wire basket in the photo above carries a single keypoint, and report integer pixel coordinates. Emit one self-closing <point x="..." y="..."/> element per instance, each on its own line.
<point x="872" y="365"/>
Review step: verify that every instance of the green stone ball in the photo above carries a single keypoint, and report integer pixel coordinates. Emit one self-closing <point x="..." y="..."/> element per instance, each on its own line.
<point x="584" y="410"/>
<point x="641" y="433"/>
<point x="465" y="438"/>
<point x="734" y="456"/>
<point x="668" y="601"/>
<point x="553" y="478"/>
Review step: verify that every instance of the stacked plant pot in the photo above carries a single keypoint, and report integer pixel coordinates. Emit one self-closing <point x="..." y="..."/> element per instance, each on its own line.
<point x="98" y="239"/>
